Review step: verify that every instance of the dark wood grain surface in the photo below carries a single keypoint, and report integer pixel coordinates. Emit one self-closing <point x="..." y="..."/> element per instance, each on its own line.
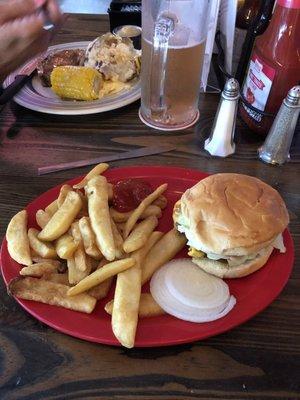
<point x="258" y="360"/>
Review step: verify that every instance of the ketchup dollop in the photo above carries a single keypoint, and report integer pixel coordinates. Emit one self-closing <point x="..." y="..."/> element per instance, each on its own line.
<point x="128" y="194"/>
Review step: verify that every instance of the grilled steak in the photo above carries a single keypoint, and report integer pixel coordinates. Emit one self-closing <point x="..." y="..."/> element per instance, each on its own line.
<point x="56" y="59"/>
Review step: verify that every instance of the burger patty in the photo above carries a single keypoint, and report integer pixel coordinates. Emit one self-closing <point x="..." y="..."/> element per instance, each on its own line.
<point x="234" y="261"/>
<point x="231" y="260"/>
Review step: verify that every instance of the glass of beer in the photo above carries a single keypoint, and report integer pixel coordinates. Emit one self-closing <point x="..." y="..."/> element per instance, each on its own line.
<point x="173" y="43"/>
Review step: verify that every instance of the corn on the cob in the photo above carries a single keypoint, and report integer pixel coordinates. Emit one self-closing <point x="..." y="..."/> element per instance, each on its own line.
<point x="79" y="83"/>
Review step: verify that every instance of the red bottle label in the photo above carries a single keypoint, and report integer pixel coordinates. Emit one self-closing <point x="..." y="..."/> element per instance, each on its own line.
<point x="289" y="3"/>
<point x="257" y="85"/>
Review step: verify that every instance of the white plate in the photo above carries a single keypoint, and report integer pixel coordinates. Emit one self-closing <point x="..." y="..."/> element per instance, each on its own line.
<point x="38" y="98"/>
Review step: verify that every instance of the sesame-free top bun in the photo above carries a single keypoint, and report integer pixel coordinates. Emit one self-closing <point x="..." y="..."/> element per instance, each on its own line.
<point x="231" y="214"/>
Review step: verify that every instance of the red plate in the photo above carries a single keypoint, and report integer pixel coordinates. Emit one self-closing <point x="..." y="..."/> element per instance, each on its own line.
<point x="253" y="293"/>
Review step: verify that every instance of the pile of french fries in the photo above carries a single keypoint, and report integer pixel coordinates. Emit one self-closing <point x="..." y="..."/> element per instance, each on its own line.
<point x="83" y="243"/>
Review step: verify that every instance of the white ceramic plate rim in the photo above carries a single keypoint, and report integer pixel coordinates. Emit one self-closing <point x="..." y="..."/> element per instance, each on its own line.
<point x="29" y="98"/>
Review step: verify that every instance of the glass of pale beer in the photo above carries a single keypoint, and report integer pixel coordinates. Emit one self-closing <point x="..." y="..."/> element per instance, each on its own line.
<point x="173" y="44"/>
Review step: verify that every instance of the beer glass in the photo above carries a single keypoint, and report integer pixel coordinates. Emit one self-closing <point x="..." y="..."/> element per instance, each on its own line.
<point x="173" y="43"/>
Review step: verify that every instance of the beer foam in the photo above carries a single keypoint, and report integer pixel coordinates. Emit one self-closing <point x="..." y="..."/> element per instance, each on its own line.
<point x="192" y="43"/>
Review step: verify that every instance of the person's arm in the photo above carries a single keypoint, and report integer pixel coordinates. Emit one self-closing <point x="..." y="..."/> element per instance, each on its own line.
<point x="21" y="32"/>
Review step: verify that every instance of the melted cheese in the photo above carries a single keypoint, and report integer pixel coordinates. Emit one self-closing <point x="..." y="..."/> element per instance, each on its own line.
<point x="195" y="253"/>
<point x="112" y="87"/>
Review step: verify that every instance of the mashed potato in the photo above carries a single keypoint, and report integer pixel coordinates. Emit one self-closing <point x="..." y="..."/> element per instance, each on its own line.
<point x="114" y="57"/>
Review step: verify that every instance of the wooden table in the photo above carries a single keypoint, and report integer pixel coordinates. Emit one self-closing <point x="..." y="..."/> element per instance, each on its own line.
<point x="258" y="360"/>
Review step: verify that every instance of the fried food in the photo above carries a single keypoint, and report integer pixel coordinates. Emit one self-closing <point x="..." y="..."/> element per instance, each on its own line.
<point x="127" y="296"/>
<point x="38" y="270"/>
<point x="61" y="221"/>
<point x="65" y="246"/>
<point x="100" y="275"/>
<point x="100" y="291"/>
<point x="142" y="207"/>
<point x="88" y="238"/>
<point x="52" y="208"/>
<point x="118" y="239"/>
<point x="163" y="251"/>
<point x="42" y="218"/>
<point x="151" y="210"/>
<point x="50" y="293"/>
<point x="96" y="191"/>
<point x="84" y="208"/>
<point x="140" y="234"/>
<point x="17" y="239"/>
<point x="38" y="259"/>
<point x="161" y="202"/>
<point x="64" y="190"/>
<point x="75" y="275"/>
<point x="79" y="227"/>
<point x="45" y="250"/>
<point x="140" y="254"/>
<point x="110" y="191"/>
<point x="97" y="170"/>
<point x="126" y="305"/>
<point x="147" y="306"/>
<point x="56" y="278"/>
<point x="81" y="259"/>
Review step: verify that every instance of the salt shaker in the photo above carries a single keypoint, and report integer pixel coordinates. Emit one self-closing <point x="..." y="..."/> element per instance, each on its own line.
<point x="220" y="143"/>
<point x="276" y="148"/>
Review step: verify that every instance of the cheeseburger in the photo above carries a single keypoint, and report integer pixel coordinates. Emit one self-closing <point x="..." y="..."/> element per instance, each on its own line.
<point x="232" y="223"/>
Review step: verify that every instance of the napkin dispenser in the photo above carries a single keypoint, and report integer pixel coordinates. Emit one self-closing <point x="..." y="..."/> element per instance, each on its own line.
<point x="125" y="13"/>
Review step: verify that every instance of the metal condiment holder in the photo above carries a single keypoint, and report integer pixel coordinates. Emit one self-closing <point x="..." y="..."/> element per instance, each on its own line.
<point x="276" y="148"/>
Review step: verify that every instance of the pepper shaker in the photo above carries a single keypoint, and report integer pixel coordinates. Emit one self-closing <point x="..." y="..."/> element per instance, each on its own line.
<point x="275" y="149"/>
<point x="220" y="143"/>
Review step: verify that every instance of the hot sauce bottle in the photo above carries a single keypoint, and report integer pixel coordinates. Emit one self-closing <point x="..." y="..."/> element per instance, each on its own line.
<point x="274" y="66"/>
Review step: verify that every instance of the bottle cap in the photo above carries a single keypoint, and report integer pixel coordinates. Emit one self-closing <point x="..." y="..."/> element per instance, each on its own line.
<point x="293" y="97"/>
<point x="231" y="89"/>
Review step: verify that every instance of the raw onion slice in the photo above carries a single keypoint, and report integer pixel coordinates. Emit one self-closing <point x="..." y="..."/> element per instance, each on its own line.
<point x="186" y="292"/>
<point x="279" y="244"/>
<point x="204" y="292"/>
